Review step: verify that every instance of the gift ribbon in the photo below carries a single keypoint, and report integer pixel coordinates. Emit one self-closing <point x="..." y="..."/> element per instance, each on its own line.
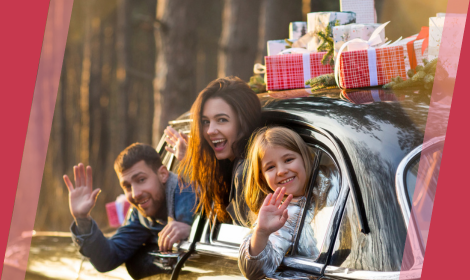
<point x="306" y="63"/>
<point x="360" y="44"/>
<point x="259" y="69"/>
<point x="410" y="46"/>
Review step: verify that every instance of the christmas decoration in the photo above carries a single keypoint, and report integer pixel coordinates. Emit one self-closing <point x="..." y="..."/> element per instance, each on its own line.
<point x="421" y="76"/>
<point x="257" y="84"/>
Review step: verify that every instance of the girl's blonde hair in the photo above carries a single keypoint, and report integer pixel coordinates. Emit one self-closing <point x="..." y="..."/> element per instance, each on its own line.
<point x="256" y="188"/>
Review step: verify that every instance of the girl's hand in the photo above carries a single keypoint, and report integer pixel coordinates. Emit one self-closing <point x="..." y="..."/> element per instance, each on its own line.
<point x="177" y="143"/>
<point x="273" y="215"/>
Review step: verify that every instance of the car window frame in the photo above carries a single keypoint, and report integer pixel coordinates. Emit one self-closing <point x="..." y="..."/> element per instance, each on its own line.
<point x="327" y="141"/>
<point x="323" y="141"/>
<point x="404" y="201"/>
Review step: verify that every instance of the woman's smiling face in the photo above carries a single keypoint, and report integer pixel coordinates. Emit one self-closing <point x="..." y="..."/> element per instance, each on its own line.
<point x="220" y="127"/>
<point x="282" y="167"/>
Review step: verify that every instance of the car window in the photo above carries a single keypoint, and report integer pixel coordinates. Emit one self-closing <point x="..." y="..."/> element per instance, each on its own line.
<point x="423" y="169"/>
<point x="234" y="234"/>
<point x="230" y="234"/>
<point x="430" y="163"/>
<point x="319" y="210"/>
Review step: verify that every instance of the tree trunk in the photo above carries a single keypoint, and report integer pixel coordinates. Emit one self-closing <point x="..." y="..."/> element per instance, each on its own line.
<point x="90" y="68"/>
<point x="85" y="88"/>
<point x="239" y="41"/>
<point x="275" y="22"/>
<point x="141" y="71"/>
<point x="324" y="6"/>
<point x="209" y="30"/>
<point x="175" y="81"/>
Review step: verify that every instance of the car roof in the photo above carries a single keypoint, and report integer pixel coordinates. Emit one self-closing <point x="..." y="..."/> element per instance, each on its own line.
<point x="390" y="123"/>
<point x="385" y="122"/>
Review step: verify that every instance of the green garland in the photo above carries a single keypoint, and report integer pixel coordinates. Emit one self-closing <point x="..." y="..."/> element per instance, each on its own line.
<point x="327" y="45"/>
<point x="322" y="82"/>
<point x="421" y="76"/>
<point x="257" y="84"/>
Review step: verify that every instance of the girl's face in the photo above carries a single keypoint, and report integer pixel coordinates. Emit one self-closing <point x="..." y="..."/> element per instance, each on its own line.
<point x="284" y="168"/>
<point x="220" y="127"/>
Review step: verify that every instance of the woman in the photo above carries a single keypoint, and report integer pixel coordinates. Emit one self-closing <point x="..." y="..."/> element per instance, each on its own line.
<point x="225" y="114"/>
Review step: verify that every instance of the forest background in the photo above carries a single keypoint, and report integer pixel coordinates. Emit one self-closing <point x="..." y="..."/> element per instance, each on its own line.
<point x="130" y="66"/>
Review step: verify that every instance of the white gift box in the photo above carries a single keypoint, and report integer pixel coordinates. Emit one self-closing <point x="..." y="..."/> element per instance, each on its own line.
<point x="455" y="25"/>
<point x="277" y="46"/>
<point x="297" y="29"/>
<point x="364" y="9"/>
<point x="436" y="26"/>
<point x="344" y="33"/>
<point x="317" y="22"/>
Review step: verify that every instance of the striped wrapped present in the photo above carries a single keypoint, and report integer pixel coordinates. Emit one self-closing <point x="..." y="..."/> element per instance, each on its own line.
<point x="371" y="67"/>
<point x="291" y="71"/>
<point x="117" y="211"/>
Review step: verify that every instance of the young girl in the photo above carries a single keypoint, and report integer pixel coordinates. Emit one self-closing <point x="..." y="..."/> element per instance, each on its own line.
<point x="279" y="164"/>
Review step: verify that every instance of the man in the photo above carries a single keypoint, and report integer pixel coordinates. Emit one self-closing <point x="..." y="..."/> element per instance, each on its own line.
<point x="161" y="216"/>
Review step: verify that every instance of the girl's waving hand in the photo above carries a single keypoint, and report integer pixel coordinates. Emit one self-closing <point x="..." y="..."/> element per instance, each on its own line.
<point x="273" y="215"/>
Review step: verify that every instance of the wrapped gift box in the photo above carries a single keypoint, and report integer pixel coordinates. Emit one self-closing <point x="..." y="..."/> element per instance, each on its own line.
<point x="419" y="54"/>
<point x="436" y="26"/>
<point x="413" y="51"/>
<point x="117" y="211"/>
<point x="277" y="46"/>
<point x="364" y="9"/>
<point x="317" y="22"/>
<point x="454" y="28"/>
<point x="297" y="29"/>
<point x="291" y="71"/>
<point x="372" y="67"/>
<point x="449" y="54"/>
<point x="344" y="33"/>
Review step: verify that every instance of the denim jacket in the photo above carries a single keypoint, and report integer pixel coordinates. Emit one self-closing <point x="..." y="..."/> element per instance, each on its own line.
<point x="107" y="254"/>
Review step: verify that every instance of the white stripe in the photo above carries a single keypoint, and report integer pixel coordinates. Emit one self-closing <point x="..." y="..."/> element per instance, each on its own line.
<point x="372" y="59"/>
<point x="375" y="95"/>
<point x="306" y="62"/>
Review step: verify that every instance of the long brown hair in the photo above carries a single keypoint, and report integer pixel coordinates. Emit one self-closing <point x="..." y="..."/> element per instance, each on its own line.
<point x="256" y="188"/>
<point x="211" y="177"/>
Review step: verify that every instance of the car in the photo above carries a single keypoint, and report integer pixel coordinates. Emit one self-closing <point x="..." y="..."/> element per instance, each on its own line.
<point x="368" y="145"/>
<point x="369" y="154"/>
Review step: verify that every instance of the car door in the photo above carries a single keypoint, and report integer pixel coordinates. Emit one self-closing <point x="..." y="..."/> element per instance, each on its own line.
<point x="327" y="193"/>
<point x="216" y="253"/>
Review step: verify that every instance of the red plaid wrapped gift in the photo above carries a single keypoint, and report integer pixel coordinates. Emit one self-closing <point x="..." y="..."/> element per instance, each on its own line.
<point x="117" y="211"/>
<point x="291" y="71"/>
<point x="371" y="67"/>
